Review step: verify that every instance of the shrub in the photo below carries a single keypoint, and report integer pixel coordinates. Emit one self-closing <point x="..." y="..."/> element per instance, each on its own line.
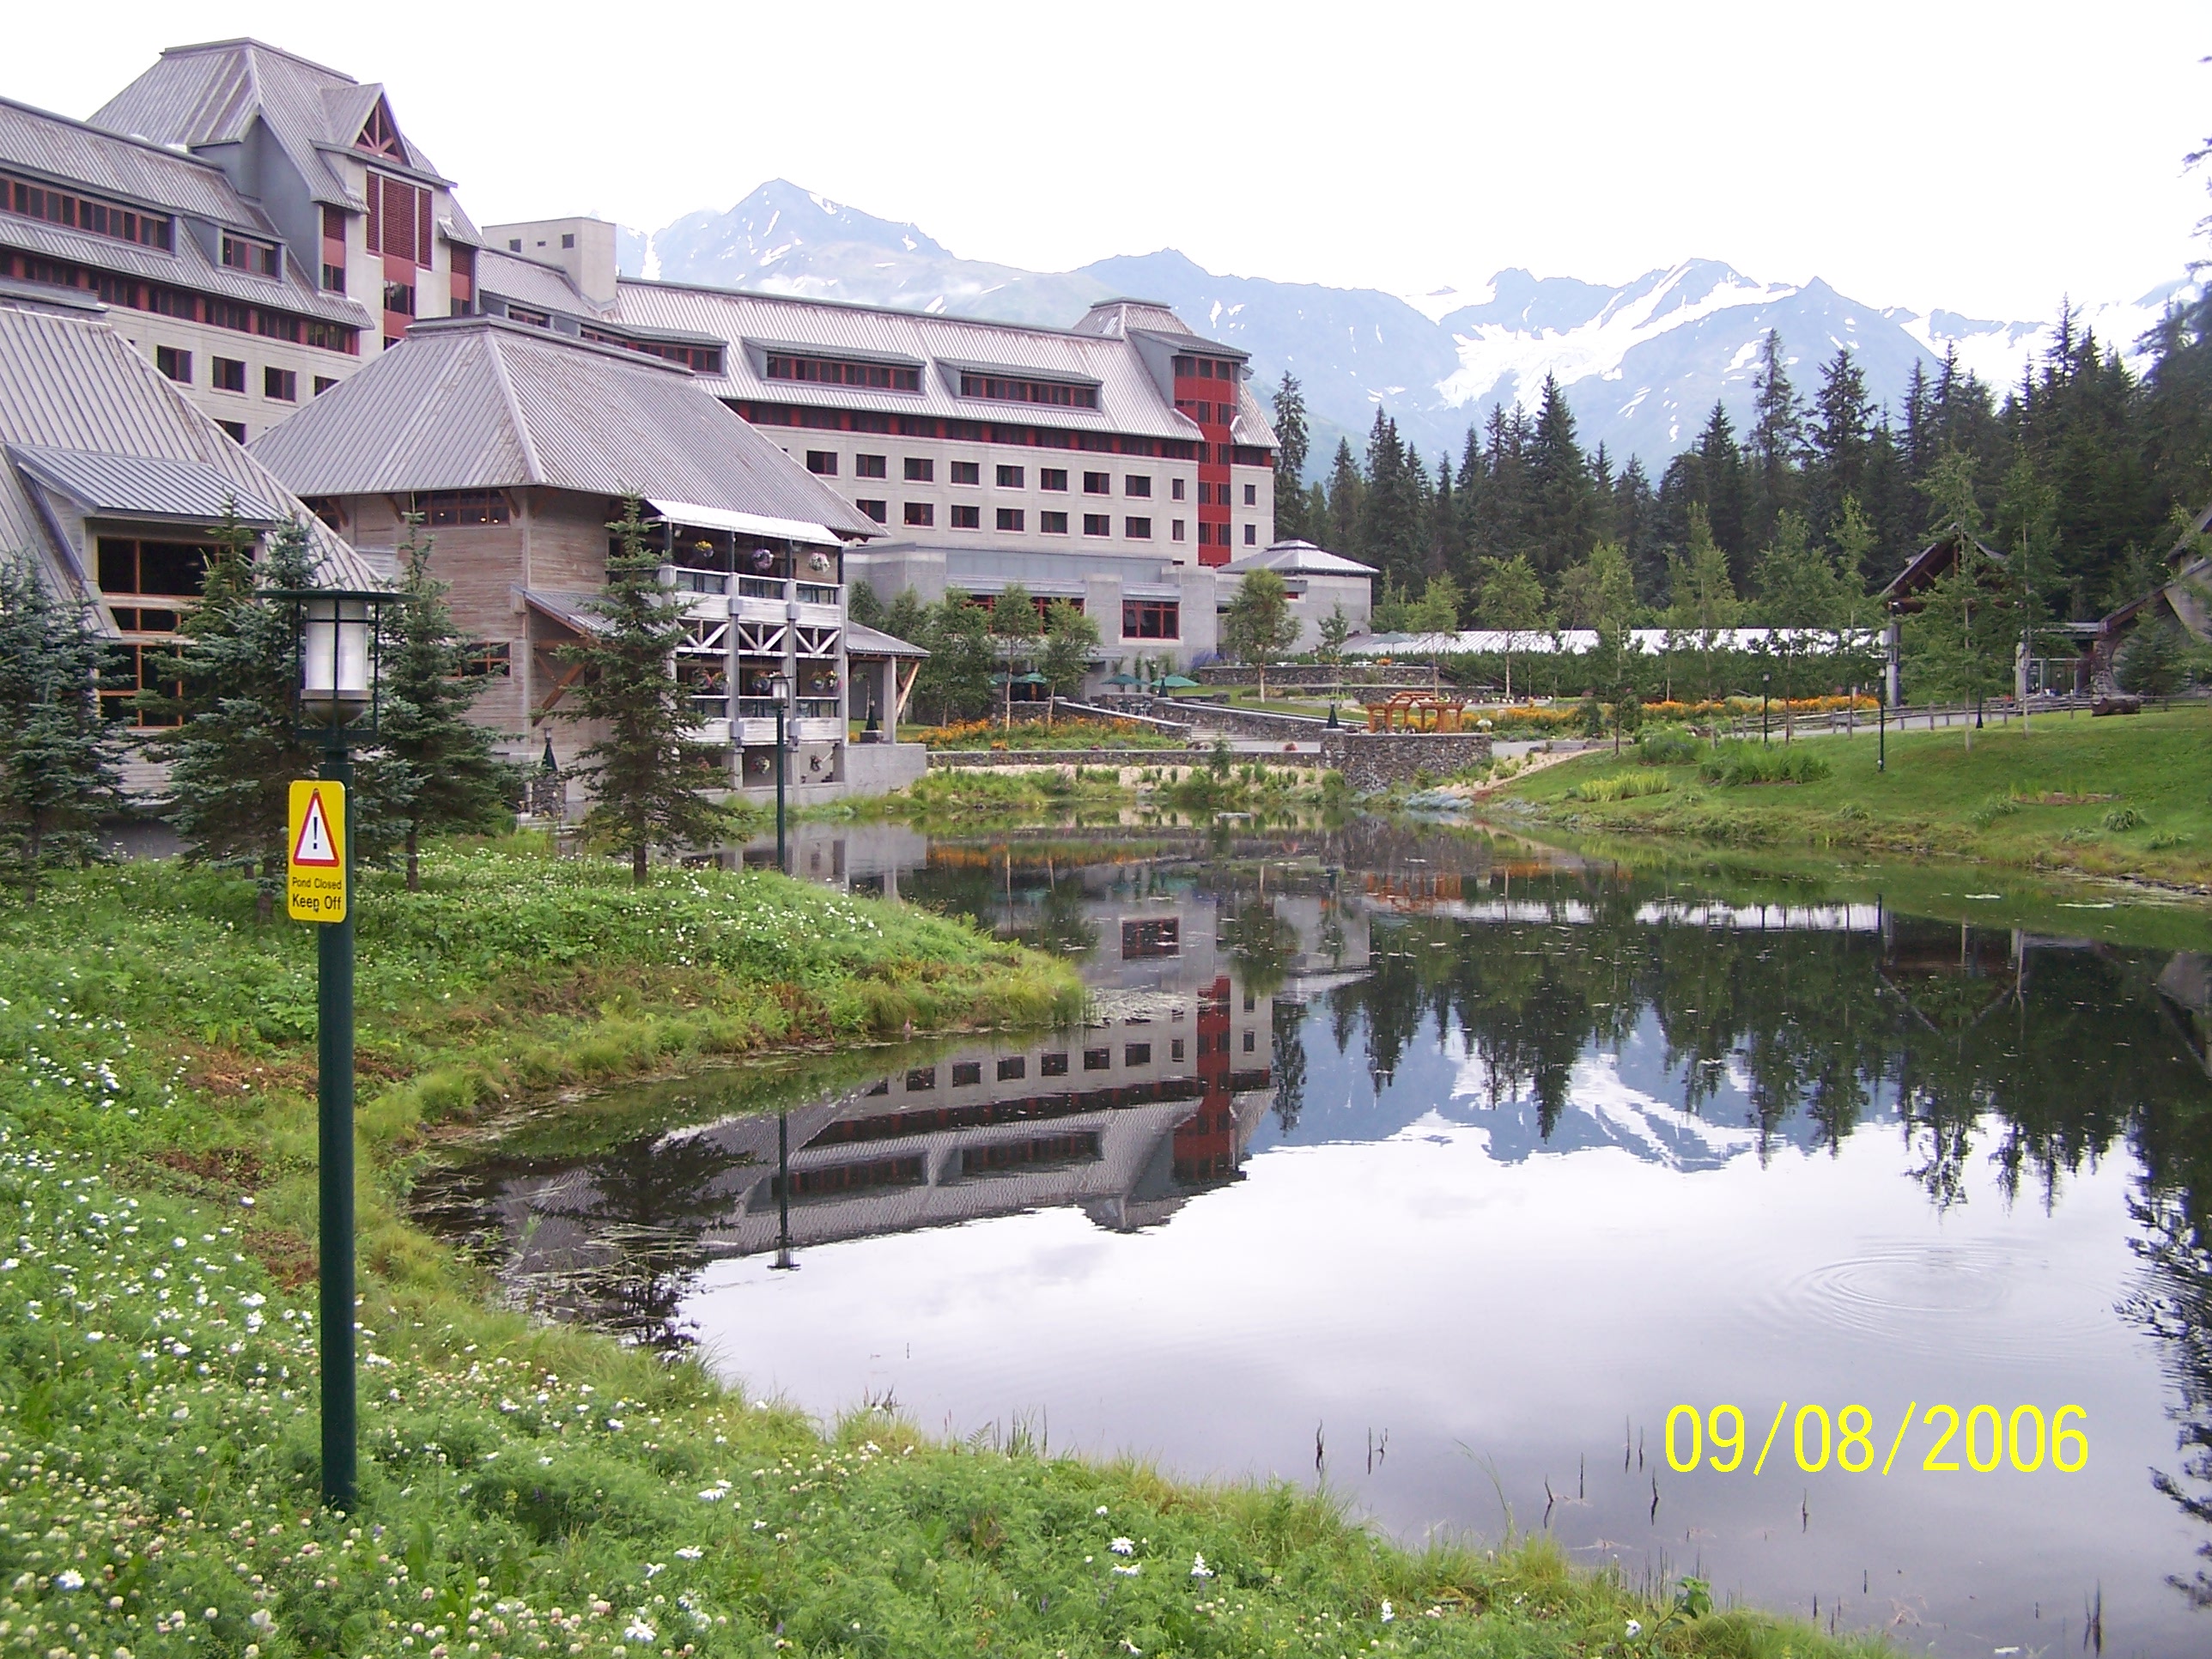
<point x="2124" y="817"/>
<point x="1997" y="806"/>
<point x="1735" y="764"/>
<point x="1622" y="786"/>
<point x="1668" y="746"/>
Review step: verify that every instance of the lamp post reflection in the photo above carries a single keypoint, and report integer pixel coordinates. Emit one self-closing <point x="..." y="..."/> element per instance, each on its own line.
<point x="783" y="1263"/>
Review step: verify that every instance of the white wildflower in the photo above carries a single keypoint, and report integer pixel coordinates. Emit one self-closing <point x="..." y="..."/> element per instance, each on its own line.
<point x="1388" y="1613"/>
<point x="1635" y="1627"/>
<point x="69" y="1578"/>
<point x="1122" y="1546"/>
<point x="1200" y="1569"/>
<point x="689" y="1553"/>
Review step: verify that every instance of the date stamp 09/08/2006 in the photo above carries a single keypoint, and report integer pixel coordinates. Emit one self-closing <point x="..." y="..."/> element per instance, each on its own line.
<point x="1985" y="1438"/>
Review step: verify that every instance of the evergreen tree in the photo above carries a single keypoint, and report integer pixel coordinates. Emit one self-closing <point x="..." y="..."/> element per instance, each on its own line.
<point x="1721" y="472"/>
<point x="238" y="746"/>
<point x="437" y="770"/>
<point x="1390" y="520"/>
<point x="1345" y="490"/>
<point x="1330" y="633"/>
<point x="1564" y="496"/>
<point x="1292" y="439"/>
<point x="1777" y="439"/>
<point x="1841" y="434"/>
<point x="1961" y="642"/>
<point x="1635" y="525"/>
<point x="650" y="779"/>
<point x="2154" y="663"/>
<point x="1800" y="589"/>
<point x="58" y="772"/>
<point x="863" y="605"/>
<point x="1511" y="601"/>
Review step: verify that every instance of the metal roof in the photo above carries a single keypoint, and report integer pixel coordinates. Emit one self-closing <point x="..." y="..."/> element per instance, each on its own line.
<point x="144" y="486"/>
<point x="107" y="163"/>
<point x="572" y="610"/>
<point x="212" y="94"/>
<point x="188" y="267"/>
<point x="1129" y="399"/>
<point x="474" y="403"/>
<point x="80" y="403"/>
<point x="532" y="282"/>
<point x="745" y="524"/>
<point x="1298" y="558"/>
<point x="861" y="641"/>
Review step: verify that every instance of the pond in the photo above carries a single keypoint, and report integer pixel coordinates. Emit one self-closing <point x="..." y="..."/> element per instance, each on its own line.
<point x="1461" y="1174"/>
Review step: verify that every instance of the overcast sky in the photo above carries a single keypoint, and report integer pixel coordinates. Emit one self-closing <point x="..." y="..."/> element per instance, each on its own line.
<point x="1985" y="158"/>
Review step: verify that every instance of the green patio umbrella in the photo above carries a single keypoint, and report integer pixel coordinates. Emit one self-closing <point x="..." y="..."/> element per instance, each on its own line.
<point x="1179" y="682"/>
<point x="1123" y="679"/>
<point x="1031" y="679"/>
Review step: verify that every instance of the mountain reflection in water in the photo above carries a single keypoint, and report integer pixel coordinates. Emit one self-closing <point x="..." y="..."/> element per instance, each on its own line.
<point x="1366" y="1109"/>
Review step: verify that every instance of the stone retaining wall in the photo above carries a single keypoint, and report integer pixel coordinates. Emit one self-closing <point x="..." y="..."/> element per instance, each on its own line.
<point x="1407" y="678"/>
<point x="1205" y="715"/>
<point x="1376" y="760"/>
<point x="959" y="760"/>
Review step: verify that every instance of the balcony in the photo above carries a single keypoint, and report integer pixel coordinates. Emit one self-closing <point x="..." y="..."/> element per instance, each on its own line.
<point x="688" y="580"/>
<point x="819" y="709"/>
<point x="760" y="587"/>
<point x="819" y="594"/>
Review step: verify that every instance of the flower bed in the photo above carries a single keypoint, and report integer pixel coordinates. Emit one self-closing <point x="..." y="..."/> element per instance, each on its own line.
<point x="1027" y="736"/>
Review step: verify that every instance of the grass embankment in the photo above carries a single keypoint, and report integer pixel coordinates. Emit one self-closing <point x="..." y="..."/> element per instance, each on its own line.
<point x="2127" y="797"/>
<point x="539" y="1490"/>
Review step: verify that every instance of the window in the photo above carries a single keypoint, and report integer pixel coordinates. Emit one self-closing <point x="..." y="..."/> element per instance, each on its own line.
<point x="880" y="511"/>
<point x="868" y="466"/>
<point x="399" y="219"/>
<point x="229" y="374"/>
<point x="966" y="1072"/>
<point x="333" y="277"/>
<point x="1248" y="1042"/>
<point x="1151" y="619"/>
<point x="1251" y="535"/>
<point x="966" y="472"/>
<point x="1137" y="1053"/>
<point x="1174" y="489"/>
<point x="1159" y="937"/>
<point x="166" y="569"/>
<point x="129" y="669"/>
<point x="1097" y="523"/>
<point x="1251" y="495"/>
<point x="487" y="659"/>
<point x="1010" y="477"/>
<point x="918" y="470"/>
<point x="1013" y="1066"/>
<point x="258" y="257"/>
<point x="61" y="207"/>
<point x="462" y="506"/>
<point x="1003" y="389"/>
<point x="1175" y="530"/>
<point x="920" y="513"/>
<point x="567" y="239"/>
<point x="1206" y="494"/>
<point x="399" y="298"/>
<point x="236" y="430"/>
<point x="1135" y="485"/>
<point x="921" y="1078"/>
<point x="175" y="363"/>
<point x="1051" y="1065"/>
<point x="1137" y="529"/>
<point x="1098" y="483"/>
<point x="1097" y="1060"/>
<point x="323" y="383"/>
<point x="1052" y="478"/>
<point x="1010" y="517"/>
<point x="821" y="462"/>
<point x="967" y="517"/>
<point x="1052" y="523"/>
<point x="514" y="245"/>
<point x="281" y="384"/>
<point x="827" y="371"/>
<point x="1174" y="1049"/>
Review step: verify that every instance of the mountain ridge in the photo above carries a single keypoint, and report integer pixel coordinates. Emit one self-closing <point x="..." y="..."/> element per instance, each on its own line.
<point x="1642" y="362"/>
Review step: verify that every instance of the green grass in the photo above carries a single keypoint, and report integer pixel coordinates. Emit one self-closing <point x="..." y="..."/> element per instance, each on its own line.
<point x="2124" y="797"/>
<point x="534" y="1489"/>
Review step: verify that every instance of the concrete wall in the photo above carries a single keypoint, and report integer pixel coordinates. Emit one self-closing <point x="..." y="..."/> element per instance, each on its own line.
<point x="1353" y="675"/>
<point x="877" y="768"/>
<point x="1376" y="760"/>
<point x="962" y="760"/>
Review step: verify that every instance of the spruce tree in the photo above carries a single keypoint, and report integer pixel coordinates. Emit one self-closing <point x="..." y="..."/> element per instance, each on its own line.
<point x="1777" y="439"/>
<point x="1292" y="437"/>
<point x="239" y="747"/>
<point x="1723" y="493"/>
<point x="1839" y="441"/>
<point x="1562" y="495"/>
<point x="1346" y="487"/>
<point x="58" y="773"/>
<point x="437" y="770"/>
<point x="650" y="779"/>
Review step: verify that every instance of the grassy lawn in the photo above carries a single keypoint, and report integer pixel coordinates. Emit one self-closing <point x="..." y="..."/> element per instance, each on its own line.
<point x="529" y="1489"/>
<point x="2116" y="797"/>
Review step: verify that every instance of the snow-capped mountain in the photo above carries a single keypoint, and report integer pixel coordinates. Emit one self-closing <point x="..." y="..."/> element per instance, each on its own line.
<point x="1642" y="363"/>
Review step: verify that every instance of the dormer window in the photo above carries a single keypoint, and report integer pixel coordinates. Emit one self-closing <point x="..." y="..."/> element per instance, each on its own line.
<point x="262" y="258"/>
<point x="379" y="136"/>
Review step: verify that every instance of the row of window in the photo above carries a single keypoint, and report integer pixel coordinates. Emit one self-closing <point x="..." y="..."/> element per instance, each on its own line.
<point x="916" y="469"/>
<point x="262" y="258"/>
<point x="699" y="359"/>
<point x="1009" y="1068"/>
<point x="128" y="292"/>
<point x="228" y="374"/>
<point x="1205" y="413"/>
<point x="825" y="371"/>
<point x="982" y="432"/>
<point x="1007" y="390"/>
<point x="60" y="207"/>
<point x="922" y="516"/>
<point x="1205" y="369"/>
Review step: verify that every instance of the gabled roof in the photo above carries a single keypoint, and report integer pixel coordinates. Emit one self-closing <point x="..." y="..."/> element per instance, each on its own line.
<point x="213" y="94"/>
<point x="89" y="427"/>
<point x="477" y="403"/>
<point x="1928" y="564"/>
<point x="1299" y="558"/>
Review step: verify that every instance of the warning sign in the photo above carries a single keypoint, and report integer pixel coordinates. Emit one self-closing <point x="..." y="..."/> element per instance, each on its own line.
<point x="315" y="889"/>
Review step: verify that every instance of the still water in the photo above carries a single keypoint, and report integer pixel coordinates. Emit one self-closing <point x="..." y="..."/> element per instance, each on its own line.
<point x="1445" y="1168"/>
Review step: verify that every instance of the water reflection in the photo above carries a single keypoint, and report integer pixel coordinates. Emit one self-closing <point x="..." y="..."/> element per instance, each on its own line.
<point x="1504" y="1152"/>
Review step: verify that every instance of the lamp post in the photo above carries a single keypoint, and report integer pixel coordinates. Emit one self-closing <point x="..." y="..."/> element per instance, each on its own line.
<point x="779" y="688"/>
<point x="1765" y="690"/>
<point x="337" y="697"/>
<point x="1881" y="735"/>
